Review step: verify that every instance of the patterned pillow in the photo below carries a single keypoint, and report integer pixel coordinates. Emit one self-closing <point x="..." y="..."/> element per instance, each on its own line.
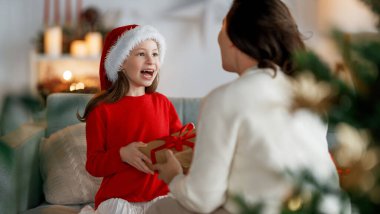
<point x="62" y="162"/>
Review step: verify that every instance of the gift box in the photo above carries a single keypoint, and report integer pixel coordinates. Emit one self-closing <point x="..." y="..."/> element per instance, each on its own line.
<point x="181" y="143"/>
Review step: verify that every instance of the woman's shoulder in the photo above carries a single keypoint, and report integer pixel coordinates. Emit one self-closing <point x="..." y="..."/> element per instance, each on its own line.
<point x="249" y="84"/>
<point x="220" y="97"/>
<point x="252" y="90"/>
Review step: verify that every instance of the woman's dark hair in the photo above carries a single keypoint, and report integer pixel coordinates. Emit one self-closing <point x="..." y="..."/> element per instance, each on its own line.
<point x="117" y="91"/>
<point x="266" y="31"/>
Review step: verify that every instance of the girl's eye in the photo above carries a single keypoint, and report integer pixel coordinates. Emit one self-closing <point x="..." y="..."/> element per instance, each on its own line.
<point x="141" y="54"/>
<point x="155" y="54"/>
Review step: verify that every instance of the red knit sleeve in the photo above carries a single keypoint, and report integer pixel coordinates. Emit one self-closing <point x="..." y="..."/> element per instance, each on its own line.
<point x="101" y="161"/>
<point x="175" y="122"/>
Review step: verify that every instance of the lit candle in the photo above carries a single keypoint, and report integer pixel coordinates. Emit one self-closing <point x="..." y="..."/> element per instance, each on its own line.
<point x="56" y="13"/>
<point x="78" y="48"/>
<point x="79" y="86"/>
<point x="68" y="12"/>
<point x="53" y="41"/>
<point x="46" y="13"/>
<point x="72" y="86"/>
<point x="94" y="43"/>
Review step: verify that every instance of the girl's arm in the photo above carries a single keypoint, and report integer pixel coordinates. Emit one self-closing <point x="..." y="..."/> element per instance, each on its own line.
<point x="101" y="161"/>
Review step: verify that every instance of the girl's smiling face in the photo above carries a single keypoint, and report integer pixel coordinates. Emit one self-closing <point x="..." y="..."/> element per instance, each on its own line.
<point x="142" y="65"/>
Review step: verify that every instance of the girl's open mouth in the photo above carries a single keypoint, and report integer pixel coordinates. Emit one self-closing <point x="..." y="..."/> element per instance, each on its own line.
<point x="147" y="73"/>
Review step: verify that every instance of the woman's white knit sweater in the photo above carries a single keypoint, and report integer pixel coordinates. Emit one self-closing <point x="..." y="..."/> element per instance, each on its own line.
<point x="246" y="141"/>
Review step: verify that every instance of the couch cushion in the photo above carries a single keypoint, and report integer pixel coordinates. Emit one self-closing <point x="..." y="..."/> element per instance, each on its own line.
<point x="62" y="109"/>
<point x="187" y="109"/>
<point x="62" y="161"/>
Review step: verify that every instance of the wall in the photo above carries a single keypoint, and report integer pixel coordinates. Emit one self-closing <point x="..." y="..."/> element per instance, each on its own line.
<point x="192" y="67"/>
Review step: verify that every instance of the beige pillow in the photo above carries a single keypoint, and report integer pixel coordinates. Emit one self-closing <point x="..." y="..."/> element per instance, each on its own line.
<point x="62" y="162"/>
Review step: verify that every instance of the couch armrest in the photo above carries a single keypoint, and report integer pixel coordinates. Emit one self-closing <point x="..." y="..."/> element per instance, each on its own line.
<point x="25" y="183"/>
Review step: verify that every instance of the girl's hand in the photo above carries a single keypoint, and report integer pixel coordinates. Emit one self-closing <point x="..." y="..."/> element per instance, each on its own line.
<point x="132" y="155"/>
<point x="167" y="171"/>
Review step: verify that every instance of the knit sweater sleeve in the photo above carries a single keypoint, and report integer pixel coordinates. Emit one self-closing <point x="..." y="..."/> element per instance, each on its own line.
<point x="101" y="161"/>
<point x="204" y="188"/>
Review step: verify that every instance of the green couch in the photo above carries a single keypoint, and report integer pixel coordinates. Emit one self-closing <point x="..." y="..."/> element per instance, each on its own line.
<point x="21" y="181"/>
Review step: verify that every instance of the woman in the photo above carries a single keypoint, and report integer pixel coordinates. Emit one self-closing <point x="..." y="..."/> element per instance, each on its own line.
<point x="247" y="137"/>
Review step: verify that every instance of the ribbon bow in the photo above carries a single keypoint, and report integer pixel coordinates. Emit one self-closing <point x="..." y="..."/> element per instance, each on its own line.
<point x="176" y="142"/>
<point x="341" y="171"/>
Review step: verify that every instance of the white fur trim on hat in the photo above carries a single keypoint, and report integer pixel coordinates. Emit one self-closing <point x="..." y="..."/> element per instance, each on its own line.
<point x="125" y="44"/>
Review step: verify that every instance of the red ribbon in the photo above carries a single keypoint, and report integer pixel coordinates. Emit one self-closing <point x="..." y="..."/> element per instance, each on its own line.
<point x="341" y="171"/>
<point x="176" y="142"/>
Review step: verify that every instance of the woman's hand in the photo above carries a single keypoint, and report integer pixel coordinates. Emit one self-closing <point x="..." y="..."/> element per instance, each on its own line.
<point x="167" y="171"/>
<point x="132" y="155"/>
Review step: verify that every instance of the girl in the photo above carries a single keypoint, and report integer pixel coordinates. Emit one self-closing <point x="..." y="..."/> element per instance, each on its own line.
<point x="247" y="136"/>
<point x="123" y="116"/>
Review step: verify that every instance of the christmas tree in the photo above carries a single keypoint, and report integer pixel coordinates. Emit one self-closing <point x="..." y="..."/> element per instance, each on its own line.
<point x="352" y="110"/>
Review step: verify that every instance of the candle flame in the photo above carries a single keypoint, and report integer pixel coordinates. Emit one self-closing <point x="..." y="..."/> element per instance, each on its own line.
<point x="67" y="75"/>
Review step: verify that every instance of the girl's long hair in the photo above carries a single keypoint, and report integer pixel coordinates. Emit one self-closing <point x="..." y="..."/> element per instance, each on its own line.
<point x="117" y="91"/>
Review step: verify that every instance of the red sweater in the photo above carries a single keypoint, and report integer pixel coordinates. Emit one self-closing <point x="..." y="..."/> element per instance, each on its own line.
<point x="113" y="125"/>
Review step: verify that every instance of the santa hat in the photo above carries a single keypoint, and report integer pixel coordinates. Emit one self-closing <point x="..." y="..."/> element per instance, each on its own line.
<point x="118" y="45"/>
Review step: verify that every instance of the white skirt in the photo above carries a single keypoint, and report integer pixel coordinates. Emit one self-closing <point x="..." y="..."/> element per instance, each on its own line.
<point x="120" y="206"/>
